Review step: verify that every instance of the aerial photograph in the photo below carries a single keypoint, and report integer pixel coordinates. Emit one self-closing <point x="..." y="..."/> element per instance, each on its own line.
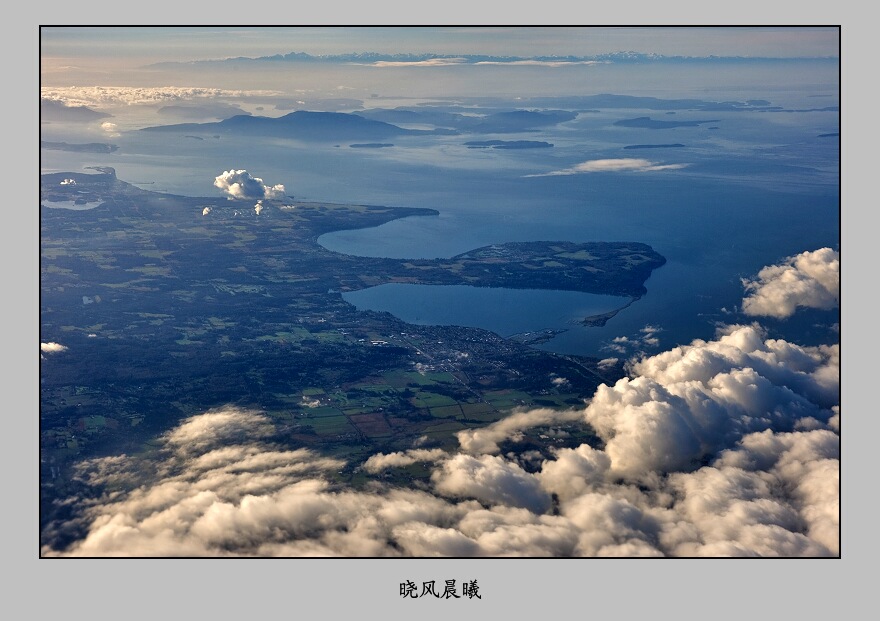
<point x="439" y="292"/>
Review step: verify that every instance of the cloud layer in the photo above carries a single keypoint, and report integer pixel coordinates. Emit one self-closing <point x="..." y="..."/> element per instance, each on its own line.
<point x="240" y="184"/>
<point x="99" y="96"/>
<point x="810" y="280"/>
<point x="719" y="448"/>
<point x="625" y="164"/>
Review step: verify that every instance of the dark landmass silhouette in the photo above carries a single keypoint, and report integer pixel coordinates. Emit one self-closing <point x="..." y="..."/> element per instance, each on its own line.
<point x="52" y="110"/>
<point x="508" y="144"/>
<point x="300" y="125"/>
<point x="654" y="146"/>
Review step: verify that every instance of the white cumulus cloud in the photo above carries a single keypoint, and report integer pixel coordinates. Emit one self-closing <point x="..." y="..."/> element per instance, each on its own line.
<point x="51" y="348"/>
<point x="486" y="439"/>
<point x="809" y="279"/>
<point x="240" y="184"/>
<point x="691" y="401"/>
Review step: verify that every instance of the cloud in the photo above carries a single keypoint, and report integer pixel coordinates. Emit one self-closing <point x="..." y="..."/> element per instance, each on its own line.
<point x="487" y="439"/>
<point x="607" y="362"/>
<point x="220" y="485"/>
<point x="215" y="429"/>
<point x="692" y="401"/>
<point x="574" y="471"/>
<point x="110" y="129"/>
<point x="542" y="63"/>
<point x="431" y="62"/>
<point x="240" y="184"/>
<point x="379" y="462"/>
<point x="639" y="341"/>
<point x="491" y="479"/>
<point x="810" y="280"/>
<point x="52" y="348"/>
<point x="612" y="165"/>
<point x="453" y="61"/>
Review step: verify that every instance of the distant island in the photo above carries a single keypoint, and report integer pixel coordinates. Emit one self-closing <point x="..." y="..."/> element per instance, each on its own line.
<point x="646" y="122"/>
<point x="493" y="122"/>
<point x="371" y="145"/>
<point x="54" y="110"/>
<point x="300" y="125"/>
<point x="654" y="146"/>
<point x="507" y="144"/>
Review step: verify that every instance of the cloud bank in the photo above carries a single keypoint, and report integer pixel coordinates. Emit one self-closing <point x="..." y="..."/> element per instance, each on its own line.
<point x="240" y="184"/>
<point x="542" y="63"/>
<point x="452" y="61"/>
<point x="431" y="62"/>
<point x="625" y="164"/>
<point x="128" y="95"/>
<point x="810" y="280"/>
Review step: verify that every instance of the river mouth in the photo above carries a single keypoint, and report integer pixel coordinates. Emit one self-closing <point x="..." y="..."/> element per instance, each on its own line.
<point x="507" y="312"/>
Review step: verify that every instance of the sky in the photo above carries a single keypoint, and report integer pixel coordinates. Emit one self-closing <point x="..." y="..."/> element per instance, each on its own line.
<point x="134" y="45"/>
<point x="65" y="45"/>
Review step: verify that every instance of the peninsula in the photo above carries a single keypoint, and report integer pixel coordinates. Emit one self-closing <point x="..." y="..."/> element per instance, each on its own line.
<point x="168" y="305"/>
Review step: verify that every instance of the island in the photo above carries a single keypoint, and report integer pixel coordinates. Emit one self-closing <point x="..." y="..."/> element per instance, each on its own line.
<point x="508" y="144"/>
<point x="646" y="122"/>
<point x="676" y="145"/>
